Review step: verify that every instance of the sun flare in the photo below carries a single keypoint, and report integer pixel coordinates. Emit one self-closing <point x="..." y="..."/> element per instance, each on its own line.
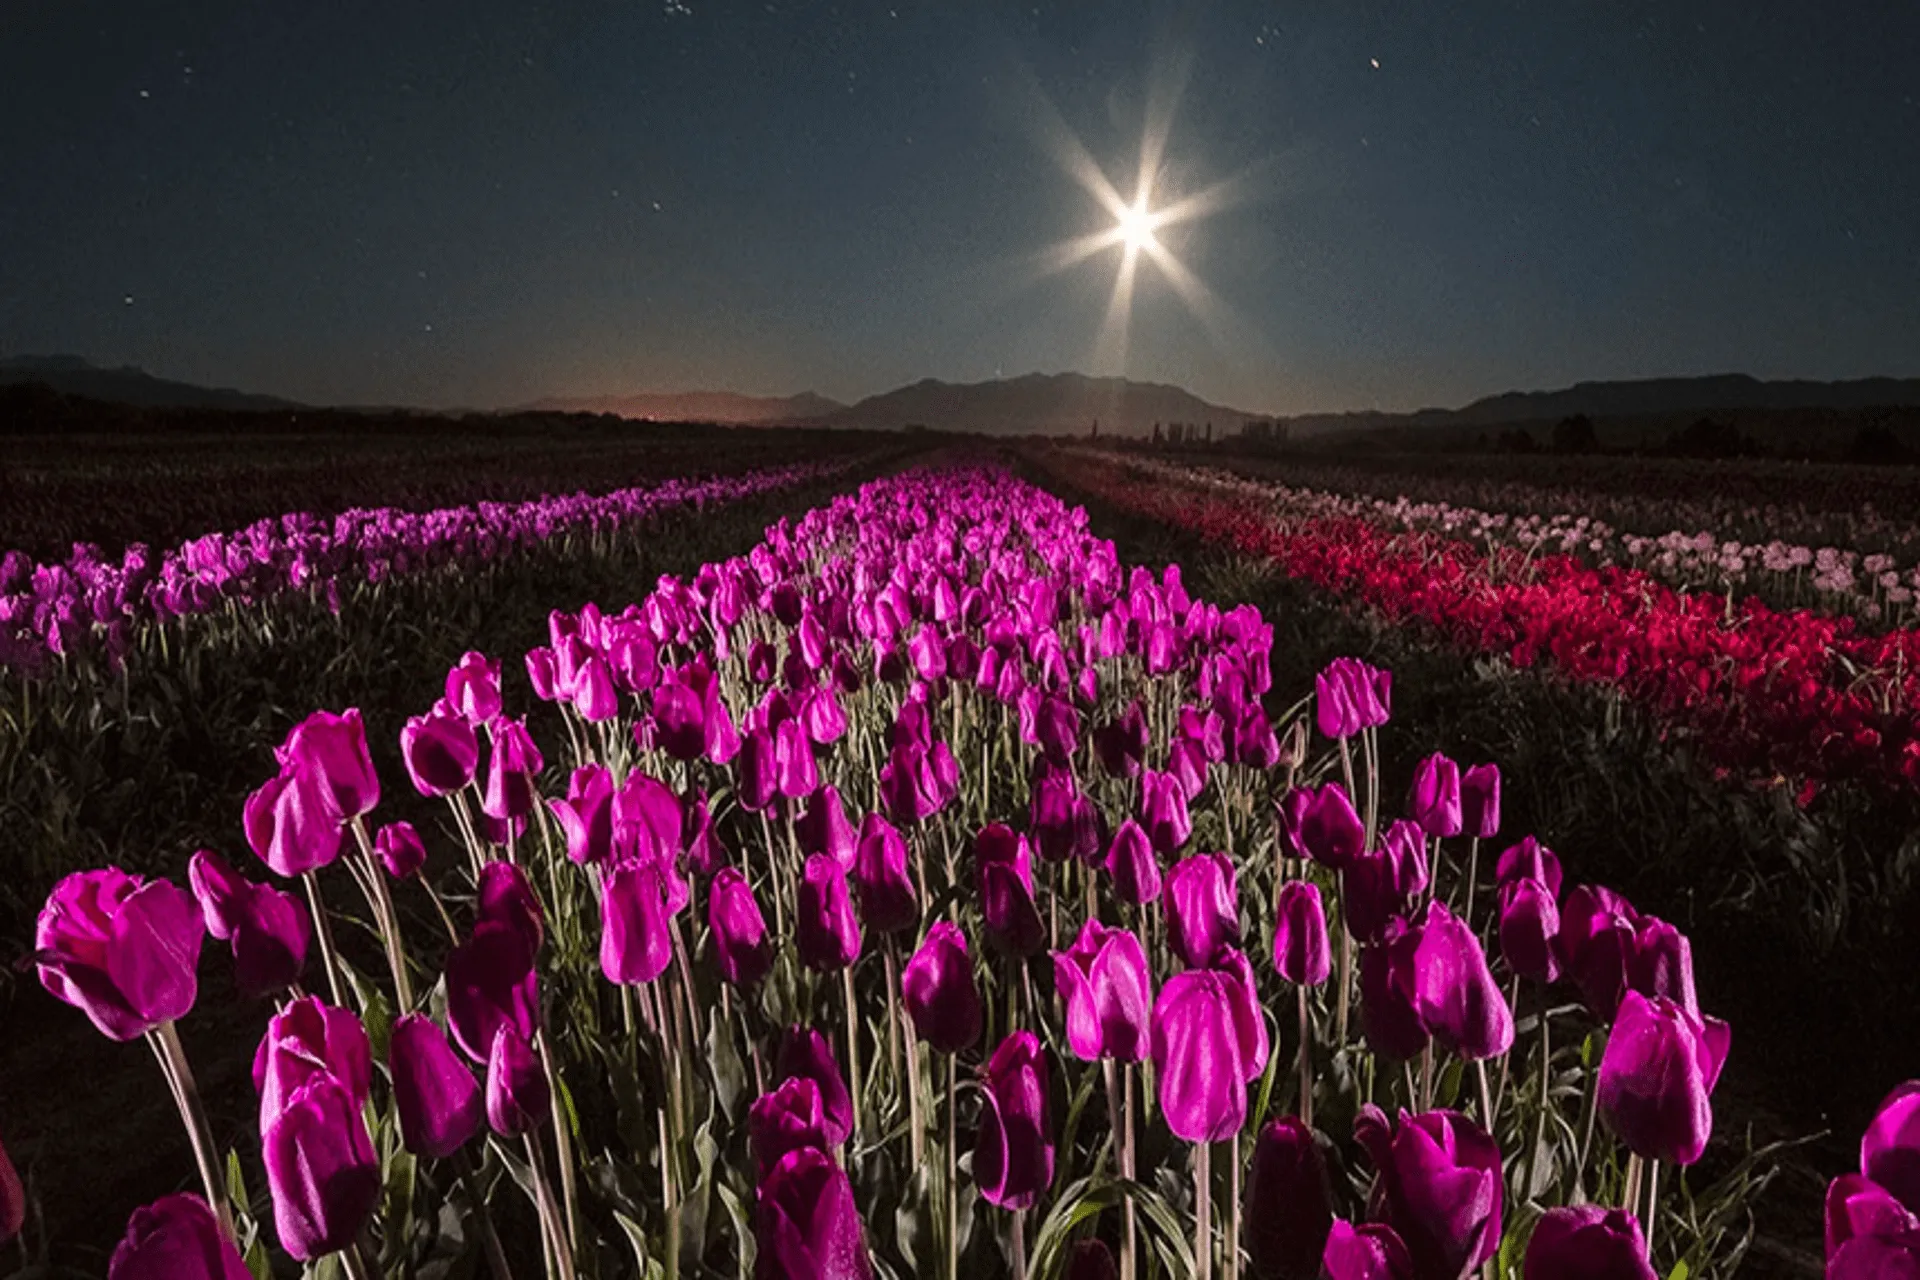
<point x="1136" y="228"/>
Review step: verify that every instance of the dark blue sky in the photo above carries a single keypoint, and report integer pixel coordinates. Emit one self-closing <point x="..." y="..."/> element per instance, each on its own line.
<point x="465" y="202"/>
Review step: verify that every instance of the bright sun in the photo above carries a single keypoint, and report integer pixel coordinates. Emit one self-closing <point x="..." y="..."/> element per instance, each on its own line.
<point x="1136" y="227"/>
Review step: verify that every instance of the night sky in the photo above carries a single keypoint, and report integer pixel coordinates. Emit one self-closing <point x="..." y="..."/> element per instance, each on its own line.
<point x="473" y="203"/>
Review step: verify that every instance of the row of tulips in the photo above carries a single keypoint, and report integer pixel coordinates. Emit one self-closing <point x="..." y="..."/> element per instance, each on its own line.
<point x="89" y="604"/>
<point x="933" y="718"/>
<point x="1874" y="586"/>
<point x="1770" y="697"/>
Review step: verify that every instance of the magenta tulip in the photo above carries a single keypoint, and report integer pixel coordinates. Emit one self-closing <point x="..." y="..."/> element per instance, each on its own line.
<point x="435" y="1093"/>
<point x="1454" y="991"/>
<point x="175" y="1238"/>
<point x="1890" y="1147"/>
<point x="636" y="938"/>
<point x="1013" y="1149"/>
<point x="1657" y="1077"/>
<point x="491" y="980"/>
<point x="1530" y="929"/>
<point x="1434" y="804"/>
<point x="939" y="991"/>
<point x="826" y="931"/>
<point x="742" y="952"/>
<point x="511" y="767"/>
<point x="1382" y="883"/>
<point x="1003" y="866"/>
<point x="1201" y="902"/>
<point x="1108" y="990"/>
<point x="1301" y="951"/>
<point x="399" y="849"/>
<point x="805" y="1052"/>
<point x="586" y="815"/>
<point x="1209" y="1041"/>
<point x="321" y="1169"/>
<point x="268" y="930"/>
<point x="807" y="1226"/>
<point x="1389" y="994"/>
<point x="1370" y="1252"/>
<point x="332" y="750"/>
<point x="1288" y="1210"/>
<point x="1480" y="801"/>
<point x="1591" y="1242"/>
<point x="823" y="827"/>
<point x="305" y="1040"/>
<point x="785" y="1120"/>
<point x="1329" y="831"/>
<point x="473" y="687"/>
<point x="439" y="750"/>
<point x="1438" y="1185"/>
<point x="121" y="950"/>
<point x="1133" y="865"/>
<point x="503" y="896"/>
<point x="888" y="903"/>
<point x="1163" y="811"/>
<point x="518" y="1095"/>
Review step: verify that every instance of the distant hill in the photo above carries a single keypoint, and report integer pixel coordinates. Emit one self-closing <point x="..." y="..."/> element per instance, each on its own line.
<point x="698" y="406"/>
<point x="1645" y="397"/>
<point x="128" y="385"/>
<point x="1044" y="404"/>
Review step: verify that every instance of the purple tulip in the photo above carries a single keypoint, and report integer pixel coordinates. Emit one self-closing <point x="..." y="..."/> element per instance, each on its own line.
<point x="1004" y="869"/>
<point x="1657" y="1078"/>
<point x="586" y="815"/>
<point x="305" y="1040"/>
<point x="399" y="849"/>
<point x="826" y="931"/>
<point x="1382" y="883"/>
<point x="1122" y="745"/>
<point x="594" y="696"/>
<point x="1894" y="1257"/>
<point x="805" y="1052"/>
<point x="511" y="767"/>
<point x="1591" y="1242"/>
<point x="1599" y="933"/>
<point x="741" y="949"/>
<point x="439" y="750"/>
<point x="518" y="1095"/>
<point x="1350" y="696"/>
<point x="1454" y="991"/>
<point x="807" y="1226"/>
<point x="119" y="949"/>
<point x="1013" y="1149"/>
<point x="1132" y="864"/>
<point x="888" y="903"/>
<point x="823" y="827"/>
<point x="435" y="1093"/>
<point x="1301" y="951"/>
<point x="1329" y="830"/>
<point x="1858" y="1208"/>
<point x="701" y="839"/>
<point x="928" y="654"/>
<point x="176" y="1238"/>
<point x="938" y="988"/>
<point x="1288" y="1211"/>
<point x="291" y="824"/>
<point x="1438" y="1185"/>
<point x="917" y="782"/>
<point x="1108" y="990"/>
<point x="321" y="1168"/>
<point x="1662" y="963"/>
<point x="1371" y="1252"/>
<point x="267" y="929"/>
<point x="1163" y="811"/>
<point x="1389" y="994"/>
<point x="1530" y="859"/>
<point x="785" y="1120"/>
<point x="648" y="825"/>
<point x="332" y="750"/>
<point x="504" y="897"/>
<point x="1434" y="803"/>
<point x="1530" y="929"/>
<point x="1063" y="820"/>
<point x="1480" y="801"/>
<point x="636" y="938"/>
<point x="473" y="687"/>
<point x="1890" y="1147"/>
<point x="1201" y="902"/>
<point x="1188" y="767"/>
<point x="542" y="673"/>
<point x="491" y="980"/>
<point x="1209" y="1041"/>
<point x="1057" y="727"/>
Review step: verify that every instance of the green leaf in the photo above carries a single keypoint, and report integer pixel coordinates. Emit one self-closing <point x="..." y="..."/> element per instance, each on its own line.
<point x="237" y="1183"/>
<point x="637" y="1237"/>
<point x="1680" y="1271"/>
<point x="723" y="1064"/>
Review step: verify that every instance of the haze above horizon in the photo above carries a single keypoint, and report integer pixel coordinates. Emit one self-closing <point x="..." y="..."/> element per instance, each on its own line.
<point x="487" y="204"/>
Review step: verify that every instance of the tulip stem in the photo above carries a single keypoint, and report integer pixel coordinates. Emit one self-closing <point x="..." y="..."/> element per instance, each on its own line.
<point x="173" y="1065"/>
<point x="952" y="1190"/>
<point x="1306" y="1061"/>
<point x="1653" y="1203"/>
<point x="562" y="1143"/>
<point x="1346" y="967"/>
<point x="354" y="1263"/>
<point x="1233" y="1208"/>
<point x="453" y="932"/>
<point x="1019" y="1242"/>
<point x="1203" y="1210"/>
<point x="324" y="932"/>
<point x="1486" y="1097"/>
<point x="1126" y="1168"/>
<point x="382" y="903"/>
<point x="1473" y="874"/>
<point x="1629" y="1197"/>
<point x="853" y="1044"/>
<point x="556" y="1234"/>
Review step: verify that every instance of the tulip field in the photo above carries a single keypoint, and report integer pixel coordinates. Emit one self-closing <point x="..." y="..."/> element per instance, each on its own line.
<point x="922" y="890"/>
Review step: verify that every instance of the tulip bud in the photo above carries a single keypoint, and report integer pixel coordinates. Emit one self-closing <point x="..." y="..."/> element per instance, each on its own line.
<point x="1530" y="859"/>
<point x="1662" y="963"/>
<point x="887" y="900"/>
<point x="291" y="825"/>
<point x="119" y="949"/>
<point x="1004" y="871"/>
<point x="823" y="828"/>
<point x="636" y="939"/>
<point x="1370" y="1252"/>
<point x="741" y="950"/>
<point x="1657" y="1076"/>
<point x="1288" y="1211"/>
<point x="807" y="1226"/>
<point x="1133" y="866"/>
<point x="1209" y="1041"/>
<point x="1860" y="1209"/>
<point x="1122" y="745"/>
<point x="505" y="897"/>
<point x="439" y="750"/>
<point x="399" y="849"/>
<point x="825" y="929"/>
<point x="1438" y="1179"/>
<point x="518" y="1094"/>
<point x="473" y="687"/>
<point x="1454" y="991"/>
<point x="1201" y="902"/>
<point x="332" y="750"/>
<point x="1301" y="952"/>
<point x="1013" y="1150"/>
<point x="1599" y="933"/>
<point x="1163" y="811"/>
<point x="1591" y="1242"/>
<point x="267" y="929"/>
<point x="1530" y="930"/>
<point x="1480" y="801"/>
<point x="1063" y="820"/>
<point x="174" y="1238"/>
<point x="805" y="1052"/>
<point x="439" y="1103"/>
<point x="785" y="1120"/>
<point x="1057" y="726"/>
<point x="1108" y="990"/>
<point x="306" y="1039"/>
<point x="1330" y="831"/>
<point x="938" y="989"/>
<point x="511" y="767"/>
<point x="321" y="1169"/>
<point x="586" y="815"/>
<point x="1435" y="801"/>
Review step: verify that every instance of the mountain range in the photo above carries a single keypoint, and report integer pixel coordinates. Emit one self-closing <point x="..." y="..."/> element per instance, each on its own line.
<point x="1052" y="404"/>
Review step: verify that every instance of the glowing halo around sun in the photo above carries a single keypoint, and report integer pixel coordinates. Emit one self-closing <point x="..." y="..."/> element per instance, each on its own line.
<point x="1135" y="226"/>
